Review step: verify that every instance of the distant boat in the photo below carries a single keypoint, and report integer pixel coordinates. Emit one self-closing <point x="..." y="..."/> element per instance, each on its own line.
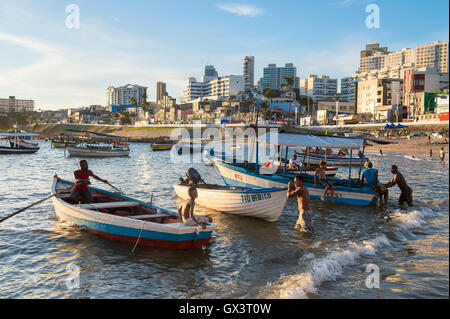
<point x="127" y="219"/>
<point x="161" y="147"/>
<point x="18" y="143"/>
<point x="100" y="145"/>
<point x="97" y="150"/>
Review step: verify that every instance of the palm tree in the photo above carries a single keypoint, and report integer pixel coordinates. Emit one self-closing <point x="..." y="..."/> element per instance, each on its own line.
<point x="269" y="94"/>
<point x="287" y="85"/>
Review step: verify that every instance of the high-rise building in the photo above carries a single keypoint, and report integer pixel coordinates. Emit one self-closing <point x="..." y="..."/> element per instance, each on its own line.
<point x="434" y="55"/>
<point x="124" y="95"/>
<point x="372" y="58"/>
<point x="212" y="86"/>
<point x="273" y="76"/>
<point x="210" y="73"/>
<point x="249" y="72"/>
<point x="160" y="91"/>
<point x="318" y="87"/>
<point x="348" y="89"/>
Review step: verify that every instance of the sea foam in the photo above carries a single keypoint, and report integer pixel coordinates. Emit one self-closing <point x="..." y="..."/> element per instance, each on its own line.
<point x="327" y="268"/>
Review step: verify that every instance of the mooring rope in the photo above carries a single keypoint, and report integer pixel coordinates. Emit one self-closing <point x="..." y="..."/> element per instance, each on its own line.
<point x="140" y="234"/>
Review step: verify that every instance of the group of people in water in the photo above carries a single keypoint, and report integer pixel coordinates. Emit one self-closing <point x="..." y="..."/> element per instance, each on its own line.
<point x="296" y="189"/>
<point x="369" y="178"/>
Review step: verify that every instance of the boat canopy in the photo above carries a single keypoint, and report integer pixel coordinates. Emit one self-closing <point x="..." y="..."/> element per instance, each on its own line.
<point x="5" y="134"/>
<point x="301" y="140"/>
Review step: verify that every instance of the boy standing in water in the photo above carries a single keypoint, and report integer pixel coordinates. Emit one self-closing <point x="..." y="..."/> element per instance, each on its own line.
<point x="304" y="222"/>
<point x="187" y="211"/>
<point x="323" y="180"/>
<point x="442" y="155"/>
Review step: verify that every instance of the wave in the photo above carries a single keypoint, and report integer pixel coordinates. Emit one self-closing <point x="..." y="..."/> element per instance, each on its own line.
<point x="412" y="219"/>
<point x="327" y="268"/>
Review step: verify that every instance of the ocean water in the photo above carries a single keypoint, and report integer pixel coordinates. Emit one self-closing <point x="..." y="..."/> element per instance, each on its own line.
<point x="354" y="252"/>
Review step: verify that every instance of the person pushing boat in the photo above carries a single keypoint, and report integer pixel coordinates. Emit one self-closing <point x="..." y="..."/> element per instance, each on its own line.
<point x="304" y="222"/>
<point x="82" y="182"/>
<point x="406" y="191"/>
<point x="187" y="211"/>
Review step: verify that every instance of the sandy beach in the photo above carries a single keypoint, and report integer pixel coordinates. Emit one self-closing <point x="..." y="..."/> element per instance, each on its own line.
<point x="416" y="144"/>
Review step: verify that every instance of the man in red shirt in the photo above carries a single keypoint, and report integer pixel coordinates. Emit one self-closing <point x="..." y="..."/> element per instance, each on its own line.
<point x="82" y="182"/>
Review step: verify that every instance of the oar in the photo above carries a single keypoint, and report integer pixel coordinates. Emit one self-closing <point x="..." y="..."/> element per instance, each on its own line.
<point x="34" y="204"/>
<point x="120" y="192"/>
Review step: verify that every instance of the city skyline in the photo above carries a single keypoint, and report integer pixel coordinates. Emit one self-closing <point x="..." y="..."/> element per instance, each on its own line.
<point x="58" y="67"/>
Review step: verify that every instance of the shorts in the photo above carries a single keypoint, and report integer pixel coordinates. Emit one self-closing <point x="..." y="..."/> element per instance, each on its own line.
<point x="86" y="194"/>
<point x="381" y="189"/>
<point x="200" y="219"/>
<point x="304" y="222"/>
<point x="324" y="183"/>
<point x="406" y="196"/>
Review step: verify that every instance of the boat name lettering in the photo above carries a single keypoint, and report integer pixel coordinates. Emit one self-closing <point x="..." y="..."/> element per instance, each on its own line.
<point x="255" y="197"/>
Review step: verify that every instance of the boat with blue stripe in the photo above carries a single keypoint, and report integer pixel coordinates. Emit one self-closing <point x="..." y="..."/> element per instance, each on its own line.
<point x="126" y="219"/>
<point x="247" y="174"/>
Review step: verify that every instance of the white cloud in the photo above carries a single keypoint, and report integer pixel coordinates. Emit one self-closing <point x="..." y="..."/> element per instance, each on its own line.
<point x="241" y="9"/>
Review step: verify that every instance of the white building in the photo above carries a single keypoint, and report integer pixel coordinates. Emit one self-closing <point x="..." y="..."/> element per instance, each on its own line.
<point x="249" y="72"/>
<point x="16" y="105"/>
<point x="123" y="95"/>
<point x="213" y="87"/>
<point x="318" y="87"/>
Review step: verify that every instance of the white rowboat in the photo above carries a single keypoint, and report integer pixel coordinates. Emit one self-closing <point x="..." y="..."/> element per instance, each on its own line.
<point x="262" y="203"/>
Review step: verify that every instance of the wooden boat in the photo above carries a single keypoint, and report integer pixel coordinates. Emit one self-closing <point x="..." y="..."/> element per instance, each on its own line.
<point x="265" y="203"/>
<point x="18" y="143"/>
<point x="246" y="174"/>
<point x="161" y="147"/>
<point x="99" y="145"/>
<point x="334" y="159"/>
<point x="97" y="150"/>
<point x="127" y="219"/>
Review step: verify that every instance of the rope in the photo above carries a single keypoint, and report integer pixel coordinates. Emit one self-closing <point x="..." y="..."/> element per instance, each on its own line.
<point x="137" y="241"/>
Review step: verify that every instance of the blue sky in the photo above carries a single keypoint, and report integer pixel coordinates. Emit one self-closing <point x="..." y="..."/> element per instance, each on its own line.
<point x="147" y="41"/>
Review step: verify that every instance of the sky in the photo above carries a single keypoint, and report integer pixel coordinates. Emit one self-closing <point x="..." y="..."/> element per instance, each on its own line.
<point x="44" y="56"/>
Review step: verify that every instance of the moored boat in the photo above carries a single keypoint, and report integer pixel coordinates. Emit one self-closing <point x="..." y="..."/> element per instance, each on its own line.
<point x="18" y="143"/>
<point x="96" y="150"/>
<point x="348" y="191"/>
<point x="261" y="203"/>
<point x="127" y="219"/>
<point x="161" y="147"/>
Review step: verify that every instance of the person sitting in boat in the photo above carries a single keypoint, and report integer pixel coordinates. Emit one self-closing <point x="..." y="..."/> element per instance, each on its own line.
<point x="294" y="163"/>
<point x="370" y="175"/>
<point x="82" y="182"/>
<point x="320" y="171"/>
<point x="406" y="191"/>
<point x="304" y="222"/>
<point x="187" y="211"/>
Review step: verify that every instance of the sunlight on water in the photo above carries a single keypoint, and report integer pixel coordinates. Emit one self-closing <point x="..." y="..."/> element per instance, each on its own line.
<point x="251" y="258"/>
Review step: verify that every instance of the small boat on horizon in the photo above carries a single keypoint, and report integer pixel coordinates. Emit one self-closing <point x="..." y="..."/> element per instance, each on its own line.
<point x="127" y="219"/>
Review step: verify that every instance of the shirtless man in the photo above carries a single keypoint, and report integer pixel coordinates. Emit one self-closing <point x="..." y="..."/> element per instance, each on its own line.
<point x="187" y="211"/>
<point x="406" y="191"/>
<point x="304" y="222"/>
<point x="320" y="171"/>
